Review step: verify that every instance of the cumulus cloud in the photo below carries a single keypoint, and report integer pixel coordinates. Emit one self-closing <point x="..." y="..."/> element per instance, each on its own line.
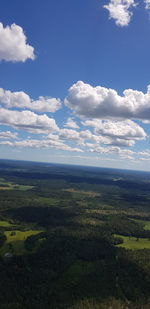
<point x="104" y="103"/>
<point x="126" y="129"/>
<point x="144" y="153"/>
<point x="35" y="143"/>
<point x="119" y="10"/>
<point x="8" y="135"/>
<point x="6" y="143"/>
<point x="144" y="159"/>
<point x="28" y="121"/>
<point x="85" y="137"/>
<point x="69" y="134"/>
<point x="71" y="124"/>
<point x="13" y="44"/>
<point x="147" y="4"/>
<point x="22" y="100"/>
<point x="81" y="137"/>
<point x="112" y="150"/>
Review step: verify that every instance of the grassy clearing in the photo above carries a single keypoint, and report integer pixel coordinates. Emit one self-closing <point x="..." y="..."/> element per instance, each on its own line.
<point x="15" y="241"/>
<point x="111" y="303"/>
<point x="11" y="224"/>
<point x="48" y="201"/>
<point x="81" y="193"/>
<point x="20" y="235"/>
<point x="134" y="243"/>
<point x="23" y="187"/>
<point x="4" y="185"/>
<point x="88" y="221"/>
<point x="6" y="224"/>
<point x="146" y="224"/>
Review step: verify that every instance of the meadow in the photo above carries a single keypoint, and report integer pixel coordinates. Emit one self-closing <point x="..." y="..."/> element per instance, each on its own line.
<point x="134" y="243"/>
<point x="6" y="185"/>
<point x="145" y="224"/>
<point x="14" y="243"/>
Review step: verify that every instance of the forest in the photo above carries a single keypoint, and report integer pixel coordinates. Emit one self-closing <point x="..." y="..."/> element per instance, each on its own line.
<point x="73" y="237"/>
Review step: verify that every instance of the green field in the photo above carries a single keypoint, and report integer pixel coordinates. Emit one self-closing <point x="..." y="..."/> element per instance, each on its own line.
<point x="22" y="187"/>
<point x="15" y="241"/>
<point x="82" y="193"/>
<point x="4" y="185"/>
<point x="48" y="201"/>
<point x="6" y="224"/>
<point x="146" y="224"/>
<point x="134" y="243"/>
<point x="11" y="225"/>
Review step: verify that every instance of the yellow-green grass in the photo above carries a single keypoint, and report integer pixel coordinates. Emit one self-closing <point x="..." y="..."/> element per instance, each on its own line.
<point x="10" y="224"/>
<point x="146" y="224"/>
<point x="6" y="224"/>
<point x="4" y="185"/>
<point x="23" y="187"/>
<point x="134" y="243"/>
<point x="82" y="193"/>
<point x="48" y="201"/>
<point x="15" y="241"/>
<point x="94" y="303"/>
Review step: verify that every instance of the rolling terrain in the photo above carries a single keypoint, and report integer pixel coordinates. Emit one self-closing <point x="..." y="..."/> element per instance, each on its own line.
<point x="73" y="237"/>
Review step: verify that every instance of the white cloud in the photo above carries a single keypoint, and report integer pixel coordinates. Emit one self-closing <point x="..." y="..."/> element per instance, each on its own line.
<point x="81" y="137"/>
<point x="52" y="136"/>
<point x="22" y="100"/>
<point x="71" y="124"/>
<point x="122" y="142"/>
<point x="144" y="153"/>
<point x="119" y="10"/>
<point x="144" y="159"/>
<point x="35" y="143"/>
<point x="13" y="44"/>
<point x="116" y="133"/>
<point x="126" y="129"/>
<point x="28" y="121"/>
<point x="8" y="135"/>
<point x="124" y="153"/>
<point x="69" y="134"/>
<point x="147" y="4"/>
<point x="104" y="103"/>
<point x="86" y="138"/>
<point x="6" y="143"/>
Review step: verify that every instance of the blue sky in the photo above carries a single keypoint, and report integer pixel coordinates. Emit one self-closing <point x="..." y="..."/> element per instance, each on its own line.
<point x="74" y="78"/>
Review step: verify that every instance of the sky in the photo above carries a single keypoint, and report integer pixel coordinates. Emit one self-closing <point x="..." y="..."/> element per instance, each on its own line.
<point x="75" y="82"/>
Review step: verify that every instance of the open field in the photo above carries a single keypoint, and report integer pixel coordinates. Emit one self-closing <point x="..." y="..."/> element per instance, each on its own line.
<point x="49" y="201"/>
<point x="82" y="193"/>
<point x="22" y="187"/>
<point x="10" y="225"/>
<point x="146" y="224"/>
<point x="134" y="243"/>
<point x="4" y="185"/>
<point x="15" y="241"/>
<point x="6" y="224"/>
